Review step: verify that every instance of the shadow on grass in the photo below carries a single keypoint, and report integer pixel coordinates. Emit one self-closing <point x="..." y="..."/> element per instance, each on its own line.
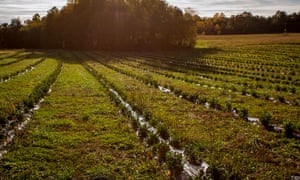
<point x="162" y="59"/>
<point x="168" y="60"/>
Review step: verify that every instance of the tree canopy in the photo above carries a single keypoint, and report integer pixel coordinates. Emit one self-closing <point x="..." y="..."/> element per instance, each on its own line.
<point x="246" y="23"/>
<point x="104" y="25"/>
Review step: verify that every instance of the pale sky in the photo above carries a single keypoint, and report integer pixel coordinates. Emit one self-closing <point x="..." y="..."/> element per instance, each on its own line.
<point x="24" y="9"/>
<point x="232" y="7"/>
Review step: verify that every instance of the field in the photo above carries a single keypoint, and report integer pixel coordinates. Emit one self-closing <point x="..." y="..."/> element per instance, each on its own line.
<point x="228" y="109"/>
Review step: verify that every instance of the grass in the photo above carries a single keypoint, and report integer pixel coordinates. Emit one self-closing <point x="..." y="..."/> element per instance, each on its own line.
<point x="20" y="87"/>
<point x="233" y="41"/>
<point x="228" y="140"/>
<point x="80" y="132"/>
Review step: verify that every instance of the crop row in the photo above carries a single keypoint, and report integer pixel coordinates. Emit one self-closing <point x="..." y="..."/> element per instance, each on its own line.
<point x="233" y="62"/>
<point x="209" y="83"/>
<point x="244" y="89"/>
<point x="235" y="68"/>
<point x="8" y="54"/>
<point x="253" y="76"/>
<point x="20" y="94"/>
<point x="79" y="133"/>
<point x="15" y="58"/>
<point x="215" y="98"/>
<point x="15" y="69"/>
<point x="206" y="134"/>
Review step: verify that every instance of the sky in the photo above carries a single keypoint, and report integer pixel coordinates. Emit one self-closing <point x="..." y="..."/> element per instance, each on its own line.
<point x="25" y="9"/>
<point x="207" y="8"/>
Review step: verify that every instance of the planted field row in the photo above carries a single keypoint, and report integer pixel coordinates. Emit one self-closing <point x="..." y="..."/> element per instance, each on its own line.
<point x="215" y="98"/>
<point x="181" y="65"/>
<point x="7" y="54"/>
<point x="7" y="72"/>
<point x="79" y="133"/>
<point x="20" y="94"/>
<point x="235" y="62"/>
<point x="244" y="89"/>
<point x="205" y="134"/>
<point x="14" y="58"/>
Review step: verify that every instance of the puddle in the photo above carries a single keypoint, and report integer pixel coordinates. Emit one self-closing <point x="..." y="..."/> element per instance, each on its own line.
<point x="165" y="90"/>
<point x="206" y="104"/>
<point x="50" y="90"/>
<point x="253" y="120"/>
<point x="188" y="168"/>
<point x="277" y="128"/>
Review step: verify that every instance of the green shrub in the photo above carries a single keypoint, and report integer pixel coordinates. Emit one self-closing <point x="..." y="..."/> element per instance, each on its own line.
<point x="162" y="151"/>
<point x="176" y="141"/>
<point x="243" y="113"/>
<point x="281" y="98"/>
<point x="153" y="139"/>
<point x="228" y="106"/>
<point x="143" y="132"/>
<point x="163" y="131"/>
<point x="244" y="92"/>
<point x="293" y="90"/>
<point x="254" y="94"/>
<point x="147" y="115"/>
<point x="265" y="119"/>
<point x="134" y="124"/>
<point x="85" y="118"/>
<point x="217" y="171"/>
<point x="3" y="119"/>
<point x="174" y="162"/>
<point x="193" y="152"/>
<point x="29" y="102"/>
<point x="289" y="129"/>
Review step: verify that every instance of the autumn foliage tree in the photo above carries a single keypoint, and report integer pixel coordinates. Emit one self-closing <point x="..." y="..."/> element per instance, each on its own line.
<point x="247" y="23"/>
<point x="107" y="25"/>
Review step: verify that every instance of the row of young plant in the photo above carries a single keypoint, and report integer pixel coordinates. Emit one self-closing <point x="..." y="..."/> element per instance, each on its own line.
<point x="8" y="54"/>
<point x="198" y="136"/>
<point x="223" y="61"/>
<point x="257" y="93"/>
<point x="206" y="81"/>
<point x="16" y="58"/>
<point x="279" y="51"/>
<point x="181" y="64"/>
<point x="11" y="114"/>
<point x="263" y="55"/>
<point x="161" y="148"/>
<point x="192" y="61"/>
<point x="243" y="59"/>
<point x="213" y="98"/>
<point x="80" y="128"/>
<point x="262" y="71"/>
<point x="19" y="69"/>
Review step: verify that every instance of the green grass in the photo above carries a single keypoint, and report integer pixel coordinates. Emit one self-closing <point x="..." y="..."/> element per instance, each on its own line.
<point x="78" y="133"/>
<point x="12" y="57"/>
<point x="234" y="41"/>
<point x="228" y="142"/>
<point x="20" y="87"/>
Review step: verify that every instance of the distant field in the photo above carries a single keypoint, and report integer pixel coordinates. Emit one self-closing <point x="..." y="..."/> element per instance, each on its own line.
<point x="233" y="103"/>
<point x="231" y="41"/>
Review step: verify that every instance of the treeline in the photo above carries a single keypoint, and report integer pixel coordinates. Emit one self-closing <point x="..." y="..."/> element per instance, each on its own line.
<point x="246" y="23"/>
<point x="104" y="25"/>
